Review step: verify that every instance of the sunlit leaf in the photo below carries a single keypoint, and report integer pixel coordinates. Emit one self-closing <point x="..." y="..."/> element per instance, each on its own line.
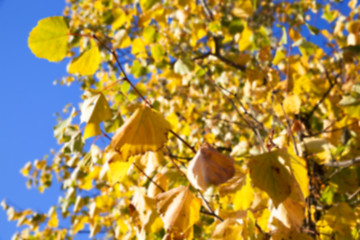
<point x="88" y="61"/>
<point x="179" y="209"/>
<point x="209" y="167"/>
<point x="94" y="110"/>
<point x="49" y="39"/>
<point x="146" y="130"/>
<point x="269" y="174"/>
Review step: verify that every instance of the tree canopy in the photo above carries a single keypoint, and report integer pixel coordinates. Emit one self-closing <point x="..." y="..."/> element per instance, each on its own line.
<point x="231" y="119"/>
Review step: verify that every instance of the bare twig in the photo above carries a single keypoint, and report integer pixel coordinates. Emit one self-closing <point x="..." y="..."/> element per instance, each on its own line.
<point x="151" y="180"/>
<point x="344" y="164"/>
<point x="208" y="206"/>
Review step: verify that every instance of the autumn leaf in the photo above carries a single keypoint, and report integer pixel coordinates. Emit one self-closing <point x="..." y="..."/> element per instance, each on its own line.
<point x="270" y="175"/>
<point x="146" y="130"/>
<point x="228" y="229"/>
<point x="209" y="167"/>
<point x="49" y="39"/>
<point x="94" y="110"/>
<point x="88" y="61"/>
<point x="178" y="208"/>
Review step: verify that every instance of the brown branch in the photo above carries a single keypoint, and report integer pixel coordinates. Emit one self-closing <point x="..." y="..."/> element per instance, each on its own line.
<point x="227" y="61"/>
<point x="332" y="84"/>
<point x="209" y="207"/>
<point x="151" y="180"/>
<point x="207" y="10"/>
<point x="249" y="124"/>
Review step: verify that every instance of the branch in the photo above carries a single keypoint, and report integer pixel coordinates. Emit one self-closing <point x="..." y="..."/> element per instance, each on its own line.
<point x="207" y="10"/>
<point x="332" y="84"/>
<point x="151" y="180"/>
<point x="344" y="164"/>
<point x="227" y="61"/>
<point x="208" y="206"/>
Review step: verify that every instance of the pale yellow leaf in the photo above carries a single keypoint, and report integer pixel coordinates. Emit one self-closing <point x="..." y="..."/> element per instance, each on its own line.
<point x="228" y="229"/>
<point x="94" y="110"/>
<point x="179" y="209"/>
<point x="146" y="130"/>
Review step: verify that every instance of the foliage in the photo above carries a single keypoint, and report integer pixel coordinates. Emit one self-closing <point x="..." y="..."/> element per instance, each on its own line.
<point x="222" y="119"/>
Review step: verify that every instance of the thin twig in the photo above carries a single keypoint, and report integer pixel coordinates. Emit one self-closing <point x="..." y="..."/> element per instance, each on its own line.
<point x="208" y="206"/>
<point x="151" y="180"/>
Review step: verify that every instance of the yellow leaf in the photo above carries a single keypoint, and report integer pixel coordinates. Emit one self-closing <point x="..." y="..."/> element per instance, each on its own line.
<point x="209" y="167"/>
<point x="94" y="110"/>
<point x="147" y="4"/>
<point x="162" y="181"/>
<point x="137" y="46"/>
<point x="88" y="61"/>
<point x="146" y="130"/>
<point x="270" y="175"/>
<point x="290" y="213"/>
<point x="292" y="104"/>
<point x="299" y="172"/>
<point x="243" y="9"/>
<point x="245" y="196"/>
<point x="120" y="18"/>
<point x="26" y="169"/>
<point x="341" y="218"/>
<point x="279" y="56"/>
<point x="79" y="224"/>
<point x="151" y="161"/>
<point x="53" y="218"/>
<point x="245" y="38"/>
<point x="117" y="170"/>
<point x="145" y="206"/>
<point x="49" y="39"/>
<point x="179" y="209"/>
<point x="228" y="229"/>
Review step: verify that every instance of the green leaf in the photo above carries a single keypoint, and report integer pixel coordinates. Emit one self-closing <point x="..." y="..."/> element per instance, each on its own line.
<point x="236" y="26"/>
<point x="88" y="61"/>
<point x="49" y="39"/>
<point x="137" y="69"/>
<point x="271" y="176"/>
<point x="157" y="52"/>
<point x="94" y="110"/>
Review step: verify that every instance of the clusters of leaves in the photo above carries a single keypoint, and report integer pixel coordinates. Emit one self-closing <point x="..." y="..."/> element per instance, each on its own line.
<point x="223" y="120"/>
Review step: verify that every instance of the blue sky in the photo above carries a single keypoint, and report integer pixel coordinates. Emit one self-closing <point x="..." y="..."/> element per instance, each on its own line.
<point x="28" y="103"/>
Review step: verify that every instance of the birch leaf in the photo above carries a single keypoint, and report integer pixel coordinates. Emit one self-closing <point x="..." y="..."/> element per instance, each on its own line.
<point x="94" y="110"/>
<point x="179" y="209"/>
<point x="209" y="167"/>
<point x="270" y="175"/>
<point x="88" y="61"/>
<point x="146" y="130"/>
<point x="49" y="39"/>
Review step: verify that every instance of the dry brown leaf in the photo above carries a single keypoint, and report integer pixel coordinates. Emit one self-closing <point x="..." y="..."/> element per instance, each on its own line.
<point x="209" y="167"/>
